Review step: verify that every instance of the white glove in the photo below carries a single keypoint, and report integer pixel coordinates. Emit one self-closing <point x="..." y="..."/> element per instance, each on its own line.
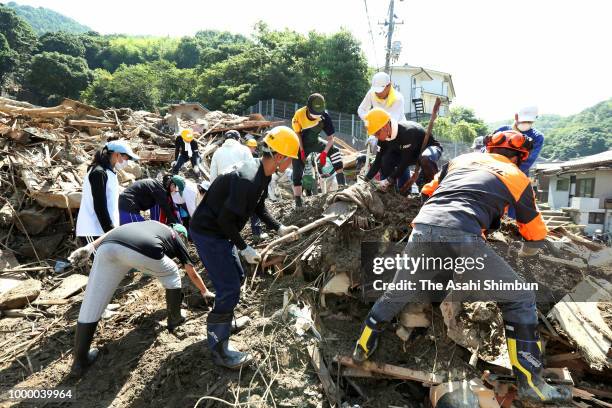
<point x="384" y="184"/>
<point x="173" y="164"/>
<point x="80" y="256"/>
<point x="251" y="255"/>
<point x="286" y="230"/>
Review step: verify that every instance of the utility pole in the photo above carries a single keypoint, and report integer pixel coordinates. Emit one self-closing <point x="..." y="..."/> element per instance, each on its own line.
<point x="391" y="27"/>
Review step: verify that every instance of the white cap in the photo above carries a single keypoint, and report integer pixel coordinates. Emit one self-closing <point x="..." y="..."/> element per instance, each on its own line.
<point x="121" y="146"/>
<point x="528" y="114"/>
<point x="379" y="81"/>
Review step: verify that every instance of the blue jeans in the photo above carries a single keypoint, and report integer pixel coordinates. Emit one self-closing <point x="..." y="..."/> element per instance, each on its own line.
<point x="126" y="217"/>
<point x="517" y="307"/>
<point x="220" y="258"/>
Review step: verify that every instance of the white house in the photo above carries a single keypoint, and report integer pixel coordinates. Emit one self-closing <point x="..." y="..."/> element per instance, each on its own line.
<point x="582" y="188"/>
<point x="420" y="87"/>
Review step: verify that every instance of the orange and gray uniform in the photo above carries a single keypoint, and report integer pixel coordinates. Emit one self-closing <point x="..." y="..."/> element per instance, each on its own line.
<point x="468" y="196"/>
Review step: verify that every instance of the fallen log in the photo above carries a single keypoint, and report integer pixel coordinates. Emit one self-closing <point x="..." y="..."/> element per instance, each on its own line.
<point x="92" y="124"/>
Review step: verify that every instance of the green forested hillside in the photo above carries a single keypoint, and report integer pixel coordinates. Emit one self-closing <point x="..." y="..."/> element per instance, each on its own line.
<point x="44" y="20"/>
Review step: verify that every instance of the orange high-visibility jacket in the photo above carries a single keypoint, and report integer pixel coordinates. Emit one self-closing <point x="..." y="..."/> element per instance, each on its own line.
<point x="473" y="191"/>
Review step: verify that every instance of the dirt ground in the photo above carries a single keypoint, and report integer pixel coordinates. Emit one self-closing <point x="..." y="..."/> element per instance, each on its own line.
<point x="143" y="365"/>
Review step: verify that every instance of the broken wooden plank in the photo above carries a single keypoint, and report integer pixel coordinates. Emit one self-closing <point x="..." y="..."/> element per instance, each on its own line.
<point x="587" y="396"/>
<point x="580" y="320"/>
<point x="92" y="124"/>
<point x="392" y="371"/>
<point x="577" y="263"/>
<point x="329" y="386"/>
<point x="20" y="295"/>
<point x="69" y="286"/>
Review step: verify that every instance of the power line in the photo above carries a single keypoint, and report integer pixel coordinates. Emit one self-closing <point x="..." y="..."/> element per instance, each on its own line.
<point x="365" y="3"/>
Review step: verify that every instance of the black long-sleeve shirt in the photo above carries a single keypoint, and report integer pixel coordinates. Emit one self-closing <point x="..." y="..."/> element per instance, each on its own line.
<point x="143" y="195"/>
<point x="231" y="200"/>
<point x="408" y="144"/>
<point x="98" y="179"/>
<point x="179" y="147"/>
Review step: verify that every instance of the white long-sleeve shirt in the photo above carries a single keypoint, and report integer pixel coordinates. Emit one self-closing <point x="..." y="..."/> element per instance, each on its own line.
<point x="396" y="110"/>
<point x="230" y="153"/>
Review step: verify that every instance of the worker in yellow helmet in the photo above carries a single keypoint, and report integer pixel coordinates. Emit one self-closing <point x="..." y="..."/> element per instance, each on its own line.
<point x="233" y="197"/>
<point x="186" y="149"/>
<point x="399" y="146"/>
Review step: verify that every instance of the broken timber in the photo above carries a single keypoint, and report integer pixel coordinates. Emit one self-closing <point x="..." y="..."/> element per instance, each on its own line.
<point x="391" y="371"/>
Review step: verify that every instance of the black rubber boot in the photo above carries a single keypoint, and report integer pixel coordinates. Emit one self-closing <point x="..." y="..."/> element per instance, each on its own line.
<point x="525" y="350"/>
<point x="341" y="179"/>
<point x="298" y="202"/>
<point x="368" y="340"/>
<point x="218" y="329"/>
<point x="174" y="297"/>
<point x="83" y="355"/>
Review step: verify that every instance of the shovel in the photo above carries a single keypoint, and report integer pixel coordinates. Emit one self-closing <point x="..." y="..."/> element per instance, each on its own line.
<point x="338" y="213"/>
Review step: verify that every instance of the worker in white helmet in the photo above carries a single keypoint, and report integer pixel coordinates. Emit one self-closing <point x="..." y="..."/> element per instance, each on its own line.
<point x="383" y="95"/>
<point x="523" y="122"/>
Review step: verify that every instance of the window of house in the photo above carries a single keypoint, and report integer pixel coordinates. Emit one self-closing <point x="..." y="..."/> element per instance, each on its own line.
<point x="585" y="187"/>
<point x="563" y="184"/>
<point x="596" y="218"/>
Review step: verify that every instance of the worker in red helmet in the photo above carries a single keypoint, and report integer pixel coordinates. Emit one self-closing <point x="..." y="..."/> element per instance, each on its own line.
<point x="468" y="196"/>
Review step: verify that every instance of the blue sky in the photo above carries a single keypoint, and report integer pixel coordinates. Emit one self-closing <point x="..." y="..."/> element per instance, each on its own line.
<point x="501" y="54"/>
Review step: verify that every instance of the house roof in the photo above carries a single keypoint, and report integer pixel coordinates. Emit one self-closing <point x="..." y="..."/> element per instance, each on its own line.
<point x="425" y="74"/>
<point x="595" y="161"/>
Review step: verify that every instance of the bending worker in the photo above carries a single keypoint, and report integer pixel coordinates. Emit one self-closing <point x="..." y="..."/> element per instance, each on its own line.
<point x="468" y="196"/>
<point x="147" y="246"/>
<point x="399" y="146"/>
<point x="186" y="149"/>
<point x="215" y="229"/>
<point x="308" y="122"/>
<point x="99" y="210"/>
<point x="230" y="153"/>
<point x="185" y="194"/>
<point x="147" y="194"/>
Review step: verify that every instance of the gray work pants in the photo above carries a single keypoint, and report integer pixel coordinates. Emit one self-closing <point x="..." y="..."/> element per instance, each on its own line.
<point x="516" y="306"/>
<point x="111" y="264"/>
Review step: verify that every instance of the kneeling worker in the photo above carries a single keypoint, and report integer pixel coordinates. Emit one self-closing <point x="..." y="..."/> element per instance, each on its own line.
<point x="468" y="196"/>
<point x="231" y="200"/>
<point x="146" y="246"/>
<point x="399" y="147"/>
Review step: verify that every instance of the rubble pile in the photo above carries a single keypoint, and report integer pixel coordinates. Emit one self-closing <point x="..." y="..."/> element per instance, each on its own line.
<point x="304" y="299"/>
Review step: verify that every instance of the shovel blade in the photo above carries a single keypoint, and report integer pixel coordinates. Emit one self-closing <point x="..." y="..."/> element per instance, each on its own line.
<point x="342" y="211"/>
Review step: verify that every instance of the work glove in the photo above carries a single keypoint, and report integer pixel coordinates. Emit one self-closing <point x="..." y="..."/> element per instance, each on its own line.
<point x="302" y="155"/>
<point x="173" y="164"/>
<point x="286" y="230"/>
<point x="80" y="256"/>
<point x="384" y="185"/>
<point x="323" y="158"/>
<point x="251" y="255"/>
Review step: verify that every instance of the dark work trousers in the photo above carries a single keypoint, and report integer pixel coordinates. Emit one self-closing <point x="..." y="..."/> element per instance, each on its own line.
<point x="517" y="306"/>
<point x="255" y="225"/>
<point x="183" y="158"/>
<point x="220" y="258"/>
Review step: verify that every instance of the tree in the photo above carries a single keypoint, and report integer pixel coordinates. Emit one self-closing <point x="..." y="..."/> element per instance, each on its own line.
<point x="188" y="53"/>
<point x="9" y="59"/>
<point x="62" y="42"/>
<point x="58" y="75"/>
<point x="18" y="33"/>
<point x="462" y="114"/>
<point x="463" y="132"/>
<point x="94" y="45"/>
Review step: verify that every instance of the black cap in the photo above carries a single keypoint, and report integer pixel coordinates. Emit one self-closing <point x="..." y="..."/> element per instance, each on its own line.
<point x="232" y="134"/>
<point x="316" y="104"/>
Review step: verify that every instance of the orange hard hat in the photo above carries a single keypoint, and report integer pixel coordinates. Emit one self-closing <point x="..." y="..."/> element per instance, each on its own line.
<point x="510" y="139"/>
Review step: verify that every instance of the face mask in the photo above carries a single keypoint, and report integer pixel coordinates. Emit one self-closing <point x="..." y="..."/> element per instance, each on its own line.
<point x="121" y="165"/>
<point x="523" y="126"/>
<point x="177" y="198"/>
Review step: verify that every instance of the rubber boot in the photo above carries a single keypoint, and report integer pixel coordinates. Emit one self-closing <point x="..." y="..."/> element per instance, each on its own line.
<point x="83" y="355"/>
<point x="368" y="340"/>
<point x="174" y="297"/>
<point x="218" y="329"/>
<point x="525" y="350"/>
<point x="298" y="202"/>
<point x="341" y="179"/>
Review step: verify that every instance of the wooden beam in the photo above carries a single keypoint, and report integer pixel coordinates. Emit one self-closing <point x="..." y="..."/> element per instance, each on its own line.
<point x="92" y="124"/>
<point x="392" y="371"/>
<point x="329" y="386"/>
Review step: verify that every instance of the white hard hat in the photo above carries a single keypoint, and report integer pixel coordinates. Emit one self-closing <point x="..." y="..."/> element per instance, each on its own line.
<point x="528" y="114"/>
<point x="379" y="81"/>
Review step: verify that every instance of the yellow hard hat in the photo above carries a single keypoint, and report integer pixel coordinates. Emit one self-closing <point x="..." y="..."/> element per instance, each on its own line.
<point x="187" y="135"/>
<point x="283" y="140"/>
<point x="251" y="143"/>
<point x="375" y="120"/>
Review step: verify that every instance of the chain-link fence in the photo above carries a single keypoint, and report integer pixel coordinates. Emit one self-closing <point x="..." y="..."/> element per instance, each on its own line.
<point x="349" y="127"/>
